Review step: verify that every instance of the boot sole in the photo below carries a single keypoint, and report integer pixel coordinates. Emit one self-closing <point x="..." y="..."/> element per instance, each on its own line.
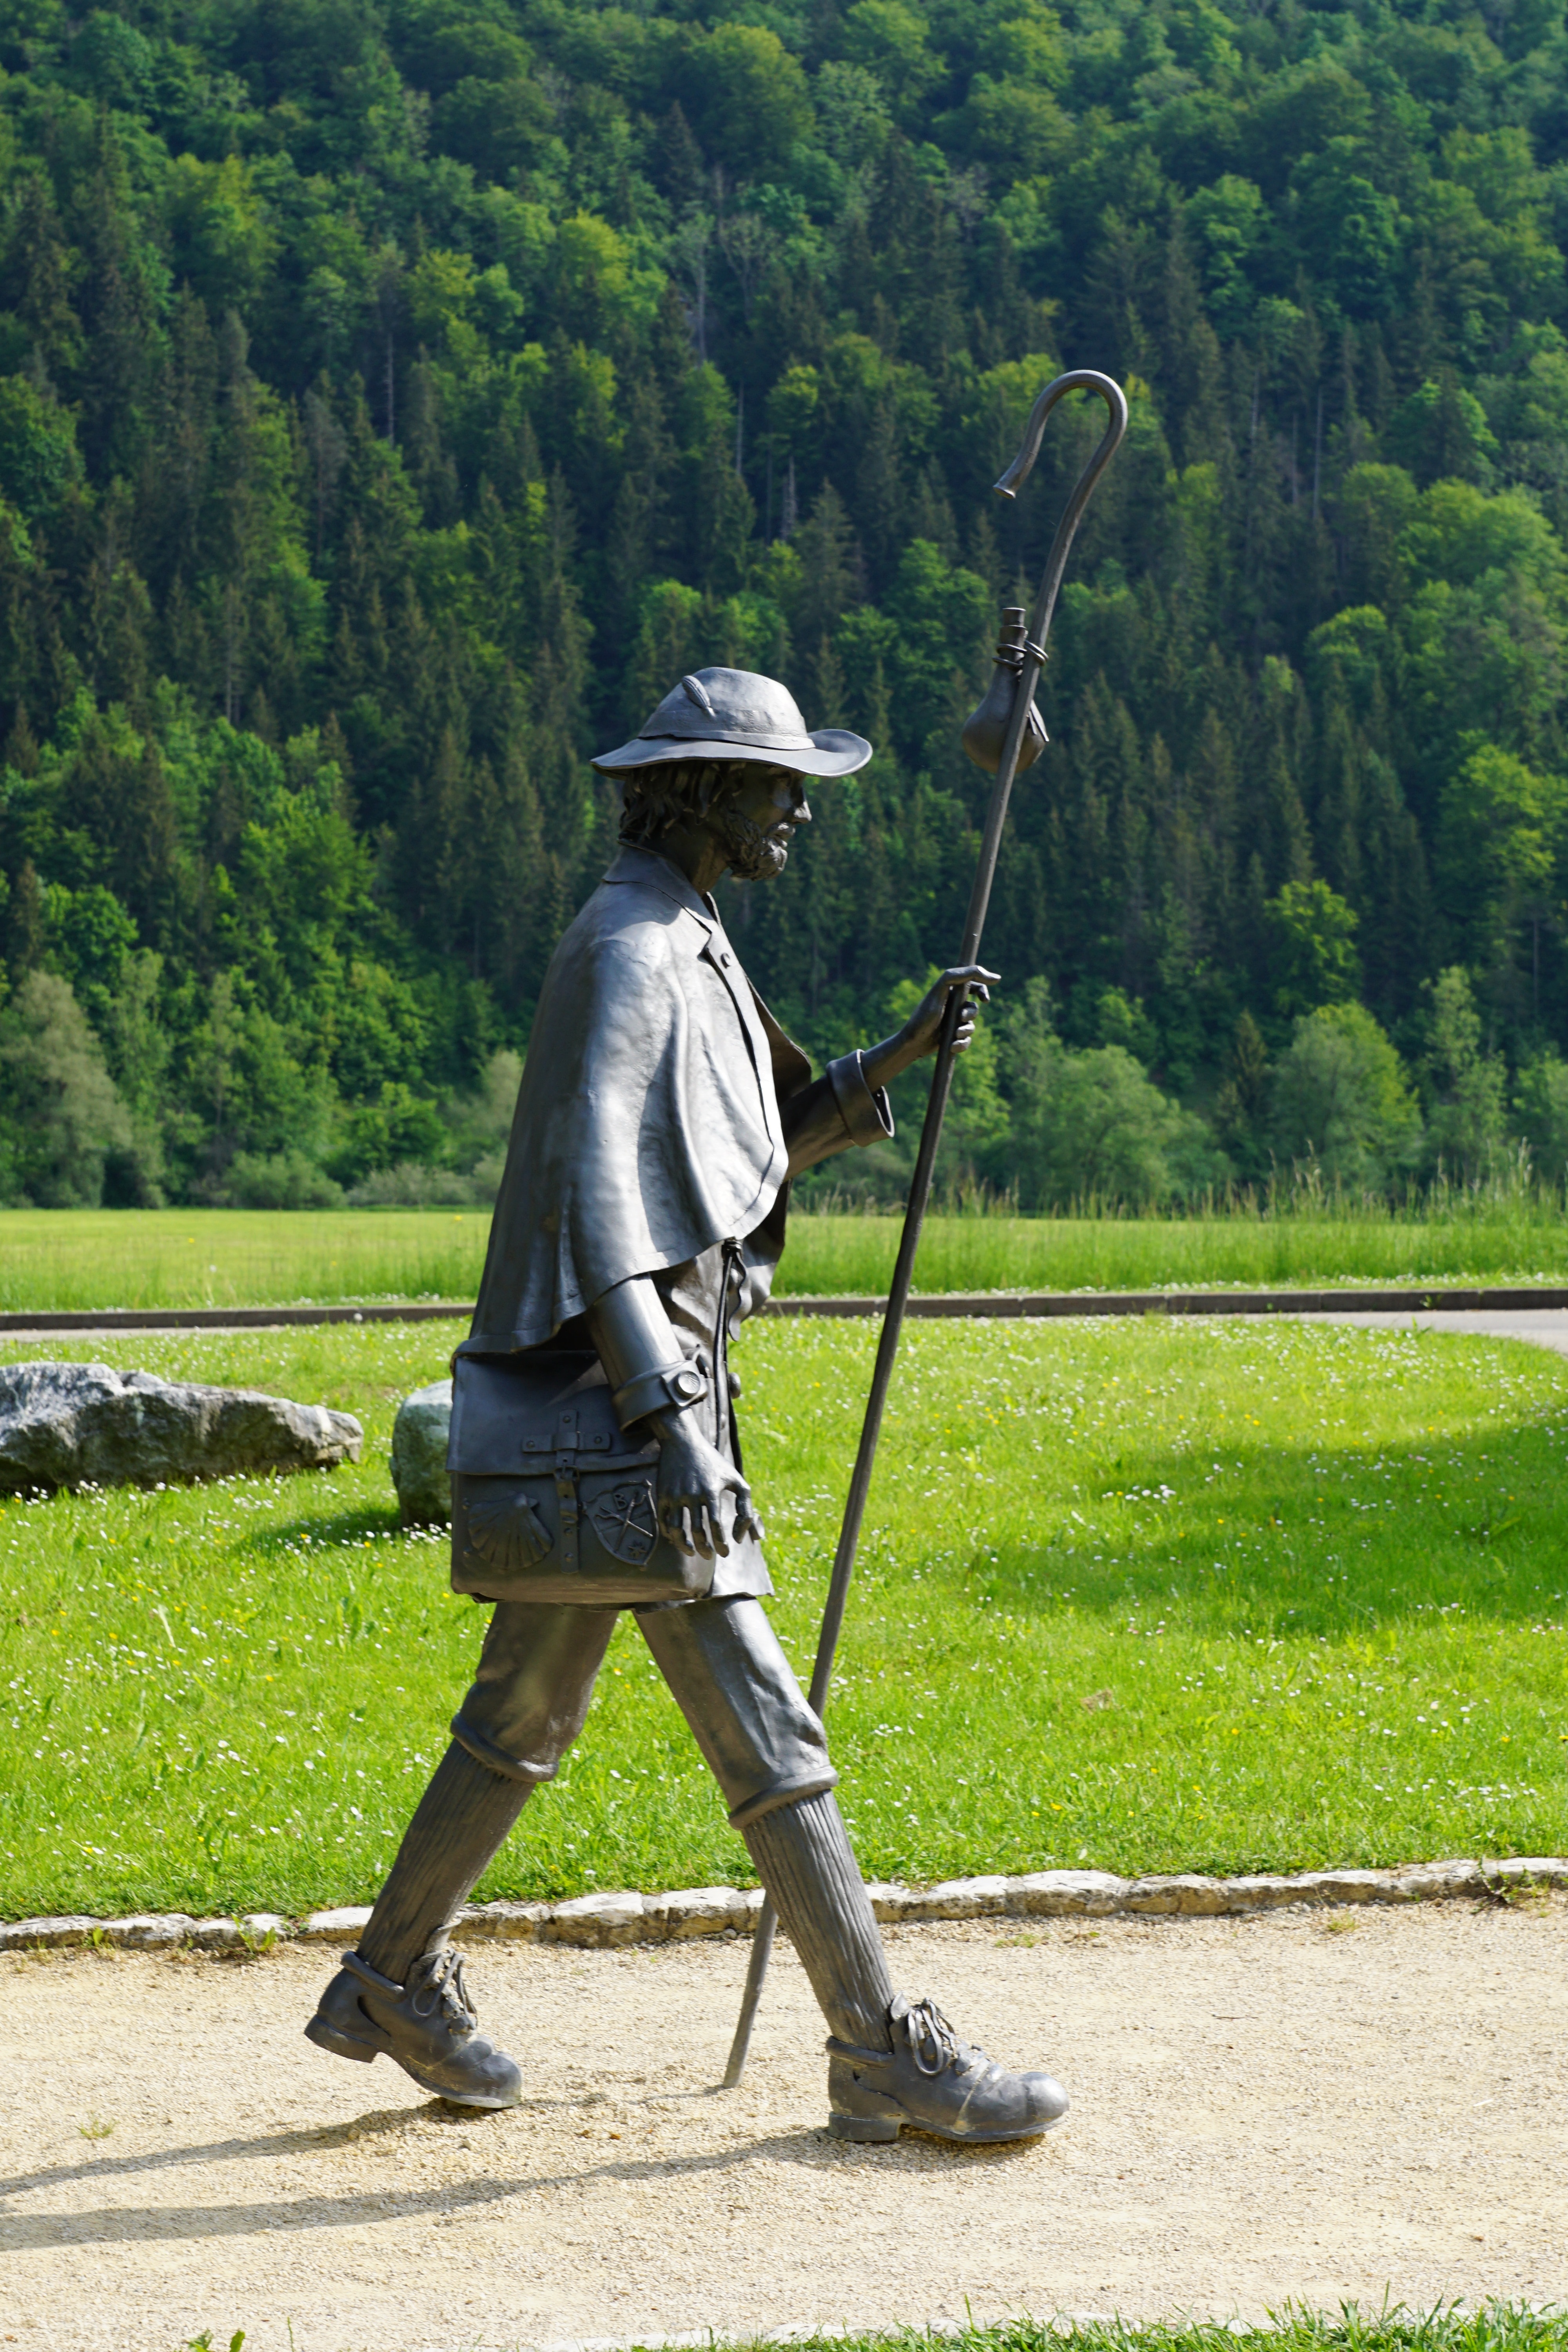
<point x="328" y="2036"/>
<point x="880" y="2130"/>
<point x="458" y="2098"/>
<point x="331" y="2037"/>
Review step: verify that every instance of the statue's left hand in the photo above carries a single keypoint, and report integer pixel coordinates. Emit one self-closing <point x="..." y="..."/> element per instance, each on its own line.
<point x="695" y="1486"/>
<point x="920" y="1032"/>
<point x="924" y="1025"/>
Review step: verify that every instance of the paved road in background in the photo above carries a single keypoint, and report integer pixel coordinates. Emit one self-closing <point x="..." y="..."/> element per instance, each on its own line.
<point x="1545" y="1327"/>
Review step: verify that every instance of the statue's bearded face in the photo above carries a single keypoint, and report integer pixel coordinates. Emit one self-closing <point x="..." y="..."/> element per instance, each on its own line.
<point x="747" y="809"/>
<point x="756" y="819"/>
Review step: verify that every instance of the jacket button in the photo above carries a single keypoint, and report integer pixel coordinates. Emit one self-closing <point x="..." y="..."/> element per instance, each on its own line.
<point x="723" y="959"/>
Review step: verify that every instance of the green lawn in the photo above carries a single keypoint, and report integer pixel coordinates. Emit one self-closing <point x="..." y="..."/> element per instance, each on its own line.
<point x="1496" y="2328"/>
<point x="68" y="1259"/>
<point x="1320" y="1572"/>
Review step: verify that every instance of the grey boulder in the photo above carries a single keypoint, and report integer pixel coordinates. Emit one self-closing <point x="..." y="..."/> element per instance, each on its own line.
<point x="419" y="1455"/>
<point x="89" y="1425"/>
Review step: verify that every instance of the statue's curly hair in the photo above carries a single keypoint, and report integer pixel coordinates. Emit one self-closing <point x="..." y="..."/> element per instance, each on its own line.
<point x="656" y="798"/>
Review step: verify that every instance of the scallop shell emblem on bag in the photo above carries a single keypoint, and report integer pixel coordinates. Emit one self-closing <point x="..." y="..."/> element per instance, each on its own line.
<point x="507" y="1531"/>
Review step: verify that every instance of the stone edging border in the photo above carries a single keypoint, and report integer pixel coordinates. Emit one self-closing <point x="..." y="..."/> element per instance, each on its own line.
<point x="596" y="1921"/>
<point x="1028" y="1305"/>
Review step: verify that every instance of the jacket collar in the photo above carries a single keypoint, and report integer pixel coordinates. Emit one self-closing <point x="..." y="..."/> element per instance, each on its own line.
<point x="657" y="873"/>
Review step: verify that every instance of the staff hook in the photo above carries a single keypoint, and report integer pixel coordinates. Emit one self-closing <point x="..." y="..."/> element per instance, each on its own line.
<point x="1023" y="466"/>
<point x="988" y="731"/>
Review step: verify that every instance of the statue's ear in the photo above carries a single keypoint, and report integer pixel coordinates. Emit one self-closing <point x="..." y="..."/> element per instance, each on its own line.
<point x="707" y="790"/>
<point x="720" y="780"/>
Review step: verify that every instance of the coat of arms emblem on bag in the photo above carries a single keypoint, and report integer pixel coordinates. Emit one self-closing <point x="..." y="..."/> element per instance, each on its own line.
<point x="625" y="1521"/>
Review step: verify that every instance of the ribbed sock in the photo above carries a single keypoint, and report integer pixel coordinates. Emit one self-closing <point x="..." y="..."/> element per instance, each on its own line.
<point x="459" y="1825"/>
<point x="804" y="1859"/>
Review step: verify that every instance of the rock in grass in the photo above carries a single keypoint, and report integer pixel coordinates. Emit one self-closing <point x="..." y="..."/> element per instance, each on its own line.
<point x="87" y="1426"/>
<point x="419" y="1456"/>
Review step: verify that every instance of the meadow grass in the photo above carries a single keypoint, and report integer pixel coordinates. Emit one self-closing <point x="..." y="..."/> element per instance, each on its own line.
<point x="61" y="1261"/>
<point x="1310" y="1577"/>
<point x="1519" y="1243"/>
<point x="66" y="1260"/>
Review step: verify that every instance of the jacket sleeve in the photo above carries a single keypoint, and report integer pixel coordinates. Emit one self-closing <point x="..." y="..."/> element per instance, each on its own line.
<point x="643" y="1360"/>
<point x="836" y="1110"/>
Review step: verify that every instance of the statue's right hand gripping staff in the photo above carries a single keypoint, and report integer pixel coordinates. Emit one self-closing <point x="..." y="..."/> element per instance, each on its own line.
<point x="994" y="739"/>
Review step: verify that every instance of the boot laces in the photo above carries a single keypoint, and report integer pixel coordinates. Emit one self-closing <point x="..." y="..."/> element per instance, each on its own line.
<point x="444" y="1988"/>
<point x="933" y="2044"/>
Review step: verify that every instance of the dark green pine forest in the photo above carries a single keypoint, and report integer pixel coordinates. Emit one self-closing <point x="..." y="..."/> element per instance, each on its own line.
<point x="396" y="399"/>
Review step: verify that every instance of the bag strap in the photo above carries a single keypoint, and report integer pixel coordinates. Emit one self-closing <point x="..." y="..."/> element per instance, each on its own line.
<point x="732" y="1263"/>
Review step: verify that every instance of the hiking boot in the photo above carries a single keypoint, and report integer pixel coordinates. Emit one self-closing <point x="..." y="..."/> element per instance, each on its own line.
<point x="427" y="2025"/>
<point x="930" y="2080"/>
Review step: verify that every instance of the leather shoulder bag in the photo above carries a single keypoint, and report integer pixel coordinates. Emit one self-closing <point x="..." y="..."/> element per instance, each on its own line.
<point x="551" y="1500"/>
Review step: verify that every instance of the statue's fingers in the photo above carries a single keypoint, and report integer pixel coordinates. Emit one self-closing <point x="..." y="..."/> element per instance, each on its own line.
<point x="714" y="1514"/>
<point x="685" y="1522"/>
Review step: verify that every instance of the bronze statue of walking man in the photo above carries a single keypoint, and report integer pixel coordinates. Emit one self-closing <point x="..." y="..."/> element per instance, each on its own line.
<point x="594" y="1454"/>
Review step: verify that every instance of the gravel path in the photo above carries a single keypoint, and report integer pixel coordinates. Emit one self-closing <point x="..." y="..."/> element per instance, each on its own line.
<point x="1309" y="2106"/>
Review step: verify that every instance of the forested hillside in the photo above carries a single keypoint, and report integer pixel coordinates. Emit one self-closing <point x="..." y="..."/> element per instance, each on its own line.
<point x="396" y="399"/>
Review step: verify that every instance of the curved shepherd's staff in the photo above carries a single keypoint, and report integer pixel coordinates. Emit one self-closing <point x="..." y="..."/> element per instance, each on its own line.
<point x="994" y="739"/>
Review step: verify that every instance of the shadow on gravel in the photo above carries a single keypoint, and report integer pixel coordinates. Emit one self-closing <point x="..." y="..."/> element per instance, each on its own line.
<point x="148" y="2223"/>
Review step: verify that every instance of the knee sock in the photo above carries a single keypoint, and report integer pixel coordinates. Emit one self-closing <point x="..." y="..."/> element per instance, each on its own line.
<point x="458" y="1826"/>
<point x="805" y="1860"/>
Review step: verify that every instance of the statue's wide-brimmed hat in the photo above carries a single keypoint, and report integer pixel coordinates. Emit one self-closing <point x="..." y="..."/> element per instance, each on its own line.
<point x="734" y="714"/>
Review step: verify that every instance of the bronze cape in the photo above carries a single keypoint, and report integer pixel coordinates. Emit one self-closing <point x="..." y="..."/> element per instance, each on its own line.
<point x="662" y="1111"/>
